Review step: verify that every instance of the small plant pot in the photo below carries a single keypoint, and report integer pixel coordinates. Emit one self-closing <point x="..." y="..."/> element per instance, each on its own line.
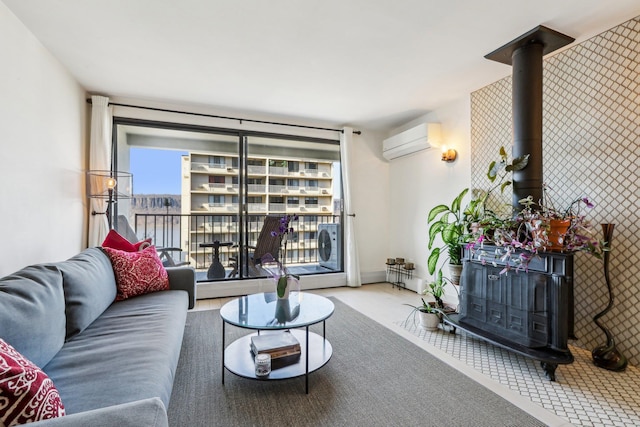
<point x="557" y="230"/>
<point x="455" y="271"/>
<point x="429" y="321"/>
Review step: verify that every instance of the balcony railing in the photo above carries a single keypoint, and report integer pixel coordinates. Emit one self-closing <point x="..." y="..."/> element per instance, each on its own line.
<point x="256" y="170"/>
<point x="206" y="167"/>
<point x="188" y="231"/>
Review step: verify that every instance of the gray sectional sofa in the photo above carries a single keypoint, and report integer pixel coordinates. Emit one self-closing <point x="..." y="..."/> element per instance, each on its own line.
<point x="113" y="363"/>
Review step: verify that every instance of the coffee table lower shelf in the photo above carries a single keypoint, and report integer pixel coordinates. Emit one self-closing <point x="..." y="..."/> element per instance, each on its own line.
<point x="239" y="360"/>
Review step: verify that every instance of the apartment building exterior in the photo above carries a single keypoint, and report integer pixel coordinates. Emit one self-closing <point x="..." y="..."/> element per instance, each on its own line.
<point x="275" y="185"/>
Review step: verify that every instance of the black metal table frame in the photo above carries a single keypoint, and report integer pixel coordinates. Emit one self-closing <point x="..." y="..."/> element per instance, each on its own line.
<point x="284" y="328"/>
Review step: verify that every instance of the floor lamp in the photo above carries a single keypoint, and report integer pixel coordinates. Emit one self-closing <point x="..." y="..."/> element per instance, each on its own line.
<point x="110" y="186"/>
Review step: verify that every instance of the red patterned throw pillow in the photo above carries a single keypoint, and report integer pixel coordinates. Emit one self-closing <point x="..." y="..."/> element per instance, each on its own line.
<point x="115" y="241"/>
<point x="26" y="393"/>
<point x="137" y="273"/>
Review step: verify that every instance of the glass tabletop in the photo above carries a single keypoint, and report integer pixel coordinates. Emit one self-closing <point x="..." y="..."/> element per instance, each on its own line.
<point x="266" y="311"/>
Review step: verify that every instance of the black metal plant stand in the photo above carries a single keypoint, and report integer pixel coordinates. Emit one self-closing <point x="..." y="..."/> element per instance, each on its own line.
<point x="607" y="356"/>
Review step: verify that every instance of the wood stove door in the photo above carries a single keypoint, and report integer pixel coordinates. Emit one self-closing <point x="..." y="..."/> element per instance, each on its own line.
<point x="513" y="305"/>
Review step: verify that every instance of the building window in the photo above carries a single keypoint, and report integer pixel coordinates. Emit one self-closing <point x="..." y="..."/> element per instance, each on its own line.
<point x="216" y="161"/>
<point x="311" y="201"/>
<point x="312" y="165"/>
<point x="216" y="200"/>
<point x="294" y="166"/>
<point x="293" y="201"/>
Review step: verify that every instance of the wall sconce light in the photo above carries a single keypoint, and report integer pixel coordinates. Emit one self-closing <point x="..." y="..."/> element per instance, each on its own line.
<point x="109" y="185"/>
<point x="449" y="155"/>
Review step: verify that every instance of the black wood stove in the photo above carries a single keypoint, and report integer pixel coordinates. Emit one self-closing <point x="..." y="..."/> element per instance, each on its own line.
<point x="530" y="313"/>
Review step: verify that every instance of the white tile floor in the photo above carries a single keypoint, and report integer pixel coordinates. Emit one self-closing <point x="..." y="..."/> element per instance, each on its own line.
<point x="583" y="394"/>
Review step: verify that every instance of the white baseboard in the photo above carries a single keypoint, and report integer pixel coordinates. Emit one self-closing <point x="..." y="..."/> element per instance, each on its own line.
<point x="231" y="288"/>
<point x="373" y="276"/>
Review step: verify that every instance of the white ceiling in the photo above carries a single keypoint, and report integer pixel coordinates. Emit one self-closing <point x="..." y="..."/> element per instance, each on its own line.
<point x="370" y="63"/>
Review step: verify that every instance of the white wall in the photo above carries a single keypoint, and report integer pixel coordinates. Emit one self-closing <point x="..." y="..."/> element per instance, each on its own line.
<point x="42" y="135"/>
<point x="421" y="181"/>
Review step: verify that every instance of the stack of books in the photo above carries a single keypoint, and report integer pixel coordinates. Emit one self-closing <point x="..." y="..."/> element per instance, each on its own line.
<point x="283" y="348"/>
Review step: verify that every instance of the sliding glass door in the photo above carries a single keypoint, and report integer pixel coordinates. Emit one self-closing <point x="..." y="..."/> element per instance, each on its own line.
<point x="204" y="196"/>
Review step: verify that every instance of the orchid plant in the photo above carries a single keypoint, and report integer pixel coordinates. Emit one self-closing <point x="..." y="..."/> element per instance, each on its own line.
<point x="276" y="268"/>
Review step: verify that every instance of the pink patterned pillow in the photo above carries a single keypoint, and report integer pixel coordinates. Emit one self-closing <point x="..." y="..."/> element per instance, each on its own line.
<point x="137" y="273"/>
<point x="26" y="393"/>
<point x="116" y="241"/>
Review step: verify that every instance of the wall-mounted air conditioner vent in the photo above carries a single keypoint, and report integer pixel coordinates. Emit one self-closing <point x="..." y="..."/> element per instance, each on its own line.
<point x="411" y="141"/>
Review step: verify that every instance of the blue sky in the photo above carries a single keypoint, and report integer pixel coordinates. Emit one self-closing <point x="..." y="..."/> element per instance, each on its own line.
<point x="156" y="171"/>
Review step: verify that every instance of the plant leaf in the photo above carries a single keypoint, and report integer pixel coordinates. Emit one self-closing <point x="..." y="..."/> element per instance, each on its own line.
<point x="439" y="279"/>
<point x="432" y="261"/>
<point x="282" y="285"/>
<point x="436" y="211"/>
<point x="434" y="230"/>
<point x="504" y="185"/>
<point x="455" y="206"/>
<point x="519" y="163"/>
<point x="503" y="153"/>
<point x="494" y="168"/>
<point x="451" y="233"/>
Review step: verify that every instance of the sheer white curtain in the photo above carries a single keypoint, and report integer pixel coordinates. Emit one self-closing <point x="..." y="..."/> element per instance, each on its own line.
<point x="99" y="159"/>
<point x="352" y="265"/>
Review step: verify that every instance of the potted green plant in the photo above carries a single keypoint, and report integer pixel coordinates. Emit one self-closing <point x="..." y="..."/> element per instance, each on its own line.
<point x="499" y="173"/>
<point x="449" y="223"/>
<point x="428" y="315"/>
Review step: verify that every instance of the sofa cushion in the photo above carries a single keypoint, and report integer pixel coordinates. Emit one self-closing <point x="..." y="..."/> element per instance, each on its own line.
<point x="137" y="273"/>
<point x="32" y="315"/>
<point x="27" y="394"/>
<point x="89" y="288"/>
<point x="129" y="353"/>
<point x="115" y="241"/>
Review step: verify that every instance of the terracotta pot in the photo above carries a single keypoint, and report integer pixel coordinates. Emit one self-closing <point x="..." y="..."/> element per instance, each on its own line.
<point x="557" y="230"/>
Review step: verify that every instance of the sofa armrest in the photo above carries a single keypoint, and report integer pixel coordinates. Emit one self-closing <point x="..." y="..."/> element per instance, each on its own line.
<point x="183" y="278"/>
<point x="141" y="413"/>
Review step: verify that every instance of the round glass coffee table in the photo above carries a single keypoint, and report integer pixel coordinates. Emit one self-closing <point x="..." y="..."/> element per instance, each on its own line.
<point x="265" y="312"/>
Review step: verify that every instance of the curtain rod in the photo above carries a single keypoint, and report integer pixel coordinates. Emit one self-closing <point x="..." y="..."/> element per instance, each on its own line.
<point x="239" y="119"/>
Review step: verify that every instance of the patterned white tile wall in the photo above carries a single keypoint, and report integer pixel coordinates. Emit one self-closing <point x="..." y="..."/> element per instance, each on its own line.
<point x="591" y="147"/>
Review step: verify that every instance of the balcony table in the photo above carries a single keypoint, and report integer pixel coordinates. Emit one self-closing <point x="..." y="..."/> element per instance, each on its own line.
<point x="216" y="269"/>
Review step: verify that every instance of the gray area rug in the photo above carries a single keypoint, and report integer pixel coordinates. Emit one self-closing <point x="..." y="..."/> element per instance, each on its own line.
<point x="375" y="378"/>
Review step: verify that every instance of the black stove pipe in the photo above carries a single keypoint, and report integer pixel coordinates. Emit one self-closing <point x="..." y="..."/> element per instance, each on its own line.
<point x="527" y="121"/>
<point x="525" y="55"/>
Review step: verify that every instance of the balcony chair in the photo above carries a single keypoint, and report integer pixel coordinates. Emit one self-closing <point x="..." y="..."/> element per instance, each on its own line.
<point x="166" y="255"/>
<point x="265" y="244"/>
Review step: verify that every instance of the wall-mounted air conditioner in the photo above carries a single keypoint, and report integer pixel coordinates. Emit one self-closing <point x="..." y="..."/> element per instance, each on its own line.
<point x="411" y="141"/>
